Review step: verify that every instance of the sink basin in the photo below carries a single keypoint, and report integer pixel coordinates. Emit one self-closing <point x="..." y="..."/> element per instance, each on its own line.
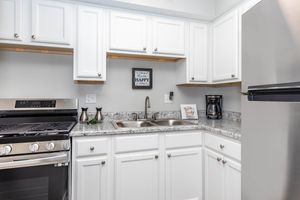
<point x="134" y="124"/>
<point x="146" y="123"/>
<point x="173" y="122"/>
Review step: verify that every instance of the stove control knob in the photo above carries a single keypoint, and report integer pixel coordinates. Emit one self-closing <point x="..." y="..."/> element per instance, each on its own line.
<point x="66" y="145"/>
<point x="5" y="150"/>
<point x="34" y="147"/>
<point x="50" y="146"/>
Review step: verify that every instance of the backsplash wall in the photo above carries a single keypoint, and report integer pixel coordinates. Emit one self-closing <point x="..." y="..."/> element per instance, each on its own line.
<point x="28" y="75"/>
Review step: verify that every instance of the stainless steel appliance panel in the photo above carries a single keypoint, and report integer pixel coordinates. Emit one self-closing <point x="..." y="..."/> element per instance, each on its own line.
<point x="271" y="130"/>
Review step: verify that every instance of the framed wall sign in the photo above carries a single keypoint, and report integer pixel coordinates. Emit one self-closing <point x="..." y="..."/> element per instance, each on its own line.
<point x="189" y="111"/>
<point x="141" y="78"/>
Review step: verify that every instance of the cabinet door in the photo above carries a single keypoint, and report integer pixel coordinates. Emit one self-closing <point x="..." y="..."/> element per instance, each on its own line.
<point x="226" y="48"/>
<point x="10" y="19"/>
<point x="214" y="176"/>
<point x="90" y="59"/>
<point x="169" y="37"/>
<point x="91" y="179"/>
<point x="137" y="177"/>
<point x="128" y="32"/>
<point x="51" y="22"/>
<point x="184" y="174"/>
<point x="232" y="180"/>
<point x="198" y="52"/>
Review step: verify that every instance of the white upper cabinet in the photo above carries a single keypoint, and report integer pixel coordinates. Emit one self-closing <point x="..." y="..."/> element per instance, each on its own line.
<point x="11" y="20"/>
<point x="90" y="59"/>
<point x="128" y="32"/>
<point x="226" y="48"/>
<point x="168" y="36"/>
<point x="184" y="174"/>
<point x="51" y="22"/>
<point x="137" y="176"/>
<point x="198" y="52"/>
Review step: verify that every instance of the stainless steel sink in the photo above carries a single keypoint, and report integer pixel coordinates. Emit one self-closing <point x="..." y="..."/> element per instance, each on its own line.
<point x="151" y="123"/>
<point x="134" y="124"/>
<point x="174" y="122"/>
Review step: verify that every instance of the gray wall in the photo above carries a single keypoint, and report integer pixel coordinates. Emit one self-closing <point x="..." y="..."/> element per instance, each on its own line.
<point x="50" y="76"/>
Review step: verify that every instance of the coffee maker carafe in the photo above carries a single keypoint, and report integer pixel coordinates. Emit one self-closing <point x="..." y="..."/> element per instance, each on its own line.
<point x="214" y="106"/>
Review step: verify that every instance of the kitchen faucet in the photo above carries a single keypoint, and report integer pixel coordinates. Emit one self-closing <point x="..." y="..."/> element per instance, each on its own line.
<point x="147" y="105"/>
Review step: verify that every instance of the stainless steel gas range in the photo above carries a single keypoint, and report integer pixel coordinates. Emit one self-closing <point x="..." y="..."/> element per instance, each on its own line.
<point x="35" y="148"/>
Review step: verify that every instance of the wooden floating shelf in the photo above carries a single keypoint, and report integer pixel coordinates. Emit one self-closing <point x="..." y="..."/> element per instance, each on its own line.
<point x="36" y="49"/>
<point x="142" y="57"/>
<point x="216" y="85"/>
<point x="89" y="82"/>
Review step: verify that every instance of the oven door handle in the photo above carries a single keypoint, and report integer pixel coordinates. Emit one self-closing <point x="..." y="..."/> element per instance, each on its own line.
<point x="56" y="159"/>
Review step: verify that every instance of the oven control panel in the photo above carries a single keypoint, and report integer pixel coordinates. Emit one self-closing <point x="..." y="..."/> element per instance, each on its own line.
<point x="35" y="104"/>
<point x="34" y="147"/>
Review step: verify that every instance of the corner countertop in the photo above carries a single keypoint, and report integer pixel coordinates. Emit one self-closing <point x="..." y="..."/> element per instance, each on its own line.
<point x="227" y="128"/>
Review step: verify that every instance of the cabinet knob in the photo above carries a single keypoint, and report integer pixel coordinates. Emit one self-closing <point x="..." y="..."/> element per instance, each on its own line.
<point x="33" y="37"/>
<point x="224" y="162"/>
<point x="193" y="78"/>
<point x="169" y="155"/>
<point x="92" y="148"/>
<point x="155" y="49"/>
<point x="219" y="159"/>
<point x="144" y="48"/>
<point x="99" y="75"/>
<point x="156" y="157"/>
<point x="16" y="35"/>
<point x="232" y="76"/>
<point x="222" y="146"/>
<point x="103" y="163"/>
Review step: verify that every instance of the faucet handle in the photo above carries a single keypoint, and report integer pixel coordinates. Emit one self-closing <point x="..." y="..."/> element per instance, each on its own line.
<point x="135" y="116"/>
<point x="154" y="116"/>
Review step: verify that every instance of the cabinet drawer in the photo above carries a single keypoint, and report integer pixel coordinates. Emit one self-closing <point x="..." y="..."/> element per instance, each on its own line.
<point x="181" y="140"/>
<point x="91" y="147"/>
<point x="222" y="145"/>
<point x="136" y="143"/>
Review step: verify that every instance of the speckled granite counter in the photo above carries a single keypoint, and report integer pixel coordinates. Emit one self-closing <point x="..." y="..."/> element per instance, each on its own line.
<point x="225" y="128"/>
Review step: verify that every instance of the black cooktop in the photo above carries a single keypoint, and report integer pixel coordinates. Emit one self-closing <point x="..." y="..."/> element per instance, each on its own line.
<point x="41" y="128"/>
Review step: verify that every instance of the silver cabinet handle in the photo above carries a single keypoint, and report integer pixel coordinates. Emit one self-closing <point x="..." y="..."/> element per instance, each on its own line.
<point x="103" y="163"/>
<point x="92" y="148"/>
<point x="156" y="157"/>
<point x="232" y="75"/>
<point x="99" y="74"/>
<point x="224" y="162"/>
<point x="16" y="35"/>
<point x="33" y="37"/>
<point x="169" y="155"/>
<point x="144" y="48"/>
<point x="155" y="49"/>
<point x="219" y="159"/>
<point x="193" y="78"/>
<point x="222" y="146"/>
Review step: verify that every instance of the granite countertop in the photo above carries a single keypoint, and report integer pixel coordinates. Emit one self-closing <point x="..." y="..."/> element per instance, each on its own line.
<point x="227" y="128"/>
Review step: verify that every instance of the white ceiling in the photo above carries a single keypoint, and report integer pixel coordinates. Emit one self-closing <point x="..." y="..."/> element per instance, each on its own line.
<point x="199" y="9"/>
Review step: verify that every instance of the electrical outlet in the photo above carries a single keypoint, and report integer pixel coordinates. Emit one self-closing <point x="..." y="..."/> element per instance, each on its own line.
<point x="90" y="98"/>
<point x="167" y="99"/>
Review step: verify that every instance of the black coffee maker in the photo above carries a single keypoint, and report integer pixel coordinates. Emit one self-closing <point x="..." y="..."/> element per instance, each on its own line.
<point x="214" y="106"/>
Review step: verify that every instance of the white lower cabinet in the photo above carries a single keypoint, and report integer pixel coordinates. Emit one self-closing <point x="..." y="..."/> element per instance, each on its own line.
<point x="137" y="176"/>
<point x="155" y="167"/>
<point x="184" y="174"/>
<point x="232" y="180"/>
<point x="222" y="177"/>
<point x="91" y="179"/>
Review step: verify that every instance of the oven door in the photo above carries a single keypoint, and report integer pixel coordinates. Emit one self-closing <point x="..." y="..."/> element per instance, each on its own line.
<point x="34" y="177"/>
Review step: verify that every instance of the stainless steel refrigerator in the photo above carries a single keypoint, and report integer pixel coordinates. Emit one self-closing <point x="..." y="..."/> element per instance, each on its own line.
<point x="271" y="109"/>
